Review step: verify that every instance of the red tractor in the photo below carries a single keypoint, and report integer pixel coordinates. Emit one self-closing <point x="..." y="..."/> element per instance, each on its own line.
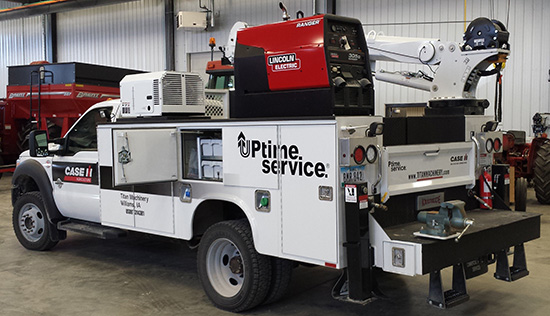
<point x="531" y="161"/>
<point x="50" y="97"/>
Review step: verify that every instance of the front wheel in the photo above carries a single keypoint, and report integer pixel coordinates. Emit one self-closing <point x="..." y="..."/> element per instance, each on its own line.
<point x="233" y="274"/>
<point x="31" y="226"/>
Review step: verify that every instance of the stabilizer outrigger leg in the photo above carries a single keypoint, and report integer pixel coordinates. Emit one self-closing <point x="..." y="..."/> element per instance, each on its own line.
<point x="368" y="292"/>
<point x="455" y="296"/>
<point x="357" y="284"/>
<point x="519" y="270"/>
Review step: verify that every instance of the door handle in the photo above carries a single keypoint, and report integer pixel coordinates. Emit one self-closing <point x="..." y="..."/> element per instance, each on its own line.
<point x="432" y="153"/>
<point x="59" y="183"/>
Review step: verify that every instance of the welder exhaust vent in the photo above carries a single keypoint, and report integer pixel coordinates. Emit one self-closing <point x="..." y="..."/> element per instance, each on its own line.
<point x="165" y="92"/>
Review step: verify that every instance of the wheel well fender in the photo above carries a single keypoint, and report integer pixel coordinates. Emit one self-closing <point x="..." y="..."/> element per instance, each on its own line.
<point x="210" y="212"/>
<point x="31" y="176"/>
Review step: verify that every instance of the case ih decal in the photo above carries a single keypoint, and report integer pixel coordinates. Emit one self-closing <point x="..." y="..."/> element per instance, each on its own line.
<point x="283" y="159"/>
<point x="459" y="160"/>
<point x="75" y="172"/>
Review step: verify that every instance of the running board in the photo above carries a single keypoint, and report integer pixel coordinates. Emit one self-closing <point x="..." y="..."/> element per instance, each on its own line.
<point x="91" y="229"/>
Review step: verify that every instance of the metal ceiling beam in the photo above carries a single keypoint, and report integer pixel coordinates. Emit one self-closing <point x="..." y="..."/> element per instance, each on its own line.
<point x="52" y="6"/>
<point x="325" y="6"/>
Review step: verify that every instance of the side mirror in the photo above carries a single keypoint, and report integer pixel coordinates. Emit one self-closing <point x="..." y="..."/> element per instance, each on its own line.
<point x="38" y="144"/>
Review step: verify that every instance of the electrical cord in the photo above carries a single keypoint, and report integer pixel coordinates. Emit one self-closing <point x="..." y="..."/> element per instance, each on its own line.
<point x="498" y="98"/>
<point x="425" y="63"/>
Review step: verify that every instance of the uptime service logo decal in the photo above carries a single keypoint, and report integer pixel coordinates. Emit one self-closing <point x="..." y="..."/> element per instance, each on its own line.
<point x="283" y="159"/>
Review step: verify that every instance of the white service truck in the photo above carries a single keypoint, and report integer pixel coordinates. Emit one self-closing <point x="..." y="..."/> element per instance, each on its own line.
<point x="258" y="194"/>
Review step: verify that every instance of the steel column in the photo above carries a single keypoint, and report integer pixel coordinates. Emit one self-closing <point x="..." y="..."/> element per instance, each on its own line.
<point x="169" y="25"/>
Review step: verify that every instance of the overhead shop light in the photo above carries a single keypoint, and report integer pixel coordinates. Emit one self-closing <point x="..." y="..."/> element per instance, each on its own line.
<point x="52" y="6"/>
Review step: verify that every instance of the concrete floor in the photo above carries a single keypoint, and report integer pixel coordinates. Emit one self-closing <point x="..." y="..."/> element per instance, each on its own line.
<point x="139" y="275"/>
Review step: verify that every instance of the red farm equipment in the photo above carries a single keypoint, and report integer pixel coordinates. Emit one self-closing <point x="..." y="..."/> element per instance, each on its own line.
<point x="50" y="97"/>
<point x="531" y="161"/>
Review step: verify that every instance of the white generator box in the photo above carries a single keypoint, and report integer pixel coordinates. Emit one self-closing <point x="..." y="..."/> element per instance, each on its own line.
<point x="157" y="93"/>
<point x="191" y="19"/>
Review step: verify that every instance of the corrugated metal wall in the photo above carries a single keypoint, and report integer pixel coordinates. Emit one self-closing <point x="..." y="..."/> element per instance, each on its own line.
<point x="129" y="35"/>
<point x="253" y="12"/>
<point x="132" y="35"/>
<point x="7" y="4"/>
<point x="20" y="43"/>
<point x="525" y="82"/>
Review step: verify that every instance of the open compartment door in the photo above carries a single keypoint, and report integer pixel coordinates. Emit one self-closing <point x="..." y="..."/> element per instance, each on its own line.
<point x="144" y="155"/>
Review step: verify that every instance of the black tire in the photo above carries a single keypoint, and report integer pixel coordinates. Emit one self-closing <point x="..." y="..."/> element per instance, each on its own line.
<point x="24" y="135"/>
<point x="542" y="174"/>
<point x="54" y="131"/>
<point x="521" y="195"/>
<point x="31" y="226"/>
<point x="1" y="164"/>
<point x="233" y="274"/>
<point x="281" y="275"/>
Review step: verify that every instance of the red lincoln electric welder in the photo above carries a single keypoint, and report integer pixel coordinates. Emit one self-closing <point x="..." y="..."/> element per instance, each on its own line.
<point x="314" y="66"/>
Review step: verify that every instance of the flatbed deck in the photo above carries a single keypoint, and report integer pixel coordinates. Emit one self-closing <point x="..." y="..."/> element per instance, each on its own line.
<point x="493" y="231"/>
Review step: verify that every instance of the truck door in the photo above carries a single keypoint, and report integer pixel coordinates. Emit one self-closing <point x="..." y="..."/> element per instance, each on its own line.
<point x="75" y="173"/>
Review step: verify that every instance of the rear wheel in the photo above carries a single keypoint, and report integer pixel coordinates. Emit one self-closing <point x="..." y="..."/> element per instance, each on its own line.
<point x="542" y="174"/>
<point x="281" y="275"/>
<point x="233" y="274"/>
<point x="31" y="226"/>
<point x="521" y="194"/>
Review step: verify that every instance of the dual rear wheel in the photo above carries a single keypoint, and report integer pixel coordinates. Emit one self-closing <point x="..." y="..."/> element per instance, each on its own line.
<point x="233" y="274"/>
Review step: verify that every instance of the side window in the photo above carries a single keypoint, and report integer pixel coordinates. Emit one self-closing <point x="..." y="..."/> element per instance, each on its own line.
<point x="83" y="136"/>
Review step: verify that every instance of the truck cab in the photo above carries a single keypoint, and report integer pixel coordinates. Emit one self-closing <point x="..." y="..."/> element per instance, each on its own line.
<point x="70" y="166"/>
